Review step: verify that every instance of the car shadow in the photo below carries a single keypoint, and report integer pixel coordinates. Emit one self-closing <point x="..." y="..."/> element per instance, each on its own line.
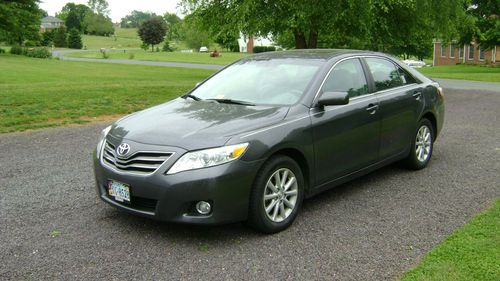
<point x="231" y="232"/>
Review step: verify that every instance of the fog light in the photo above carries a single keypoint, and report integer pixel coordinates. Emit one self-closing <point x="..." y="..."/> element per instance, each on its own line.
<point x="203" y="207"/>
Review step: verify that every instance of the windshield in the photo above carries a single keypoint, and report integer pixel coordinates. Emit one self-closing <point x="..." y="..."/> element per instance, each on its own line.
<point x="274" y="82"/>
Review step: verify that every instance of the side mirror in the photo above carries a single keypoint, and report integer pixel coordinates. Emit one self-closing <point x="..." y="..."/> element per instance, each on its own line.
<point x="334" y="98"/>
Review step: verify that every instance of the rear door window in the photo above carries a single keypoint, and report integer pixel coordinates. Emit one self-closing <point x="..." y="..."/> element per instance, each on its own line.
<point x="384" y="73"/>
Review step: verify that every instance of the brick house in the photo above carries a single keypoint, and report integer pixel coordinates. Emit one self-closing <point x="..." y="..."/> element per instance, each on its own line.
<point x="452" y="53"/>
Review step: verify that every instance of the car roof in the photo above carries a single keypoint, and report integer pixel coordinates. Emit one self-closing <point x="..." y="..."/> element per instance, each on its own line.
<point x="319" y="54"/>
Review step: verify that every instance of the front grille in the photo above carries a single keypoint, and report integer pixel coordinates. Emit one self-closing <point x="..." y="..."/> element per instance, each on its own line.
<point x="139" y="162"/>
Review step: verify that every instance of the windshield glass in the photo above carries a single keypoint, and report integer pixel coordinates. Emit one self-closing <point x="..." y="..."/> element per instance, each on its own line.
<point x="274" y="82"/>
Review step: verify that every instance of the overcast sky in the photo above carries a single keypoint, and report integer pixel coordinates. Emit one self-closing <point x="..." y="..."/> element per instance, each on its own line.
<point x="118" y="8"/>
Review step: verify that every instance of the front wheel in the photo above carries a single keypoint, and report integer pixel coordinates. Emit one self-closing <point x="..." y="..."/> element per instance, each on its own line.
<point x="421" y="147"/>
<point x="276" y="195"/>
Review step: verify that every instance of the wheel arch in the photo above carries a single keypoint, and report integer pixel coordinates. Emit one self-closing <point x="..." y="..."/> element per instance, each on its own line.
<point x="299" y="158"/>
<point x="432" y="118"/>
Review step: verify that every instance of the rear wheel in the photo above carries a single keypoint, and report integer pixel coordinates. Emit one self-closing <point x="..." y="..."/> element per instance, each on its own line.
<point x="421" y="147"/>
<point x="276" y="195"/>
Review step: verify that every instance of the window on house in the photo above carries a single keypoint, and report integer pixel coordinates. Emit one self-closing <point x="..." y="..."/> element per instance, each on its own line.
<point x="443" y="50"/>
<point x="471" y="52"/>
<point x="461" y="52"/>
<point x="452" y="51"/>
<point x="481" y="53"/>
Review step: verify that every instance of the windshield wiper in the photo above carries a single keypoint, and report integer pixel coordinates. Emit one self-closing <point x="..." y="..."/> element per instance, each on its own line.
<point x="231" y="101"/>
<point x="191" y="96"/>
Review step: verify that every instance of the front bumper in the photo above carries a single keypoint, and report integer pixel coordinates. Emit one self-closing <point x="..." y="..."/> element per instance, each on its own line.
<point x="173" y="197"/>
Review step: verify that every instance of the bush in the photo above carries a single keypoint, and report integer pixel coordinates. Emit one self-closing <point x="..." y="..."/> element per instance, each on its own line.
<point x="74" y="39"/>
<point x="16" y="50"/>
<point x="48" y="38"/>
<point x="31" y="43"/>
<point x="2" y="51"/>
<point x="131" y="56"/>
<point x="41" y="53"/>
<point x="166" y="47"/>
<point x="262" y="49"/>
<point x="60" y="37"/>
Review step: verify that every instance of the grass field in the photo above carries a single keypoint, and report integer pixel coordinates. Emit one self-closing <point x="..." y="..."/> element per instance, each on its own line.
<point x="205" y="58"/>
<point x="470" y="253"/>
<point x="124" y="38"/>
<point x="36" y="93"/>
<point x="463" y="72"/>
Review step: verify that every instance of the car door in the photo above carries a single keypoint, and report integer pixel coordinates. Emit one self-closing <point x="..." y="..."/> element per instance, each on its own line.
<point x="400" y="100"/>
<point x="346" y="137"/>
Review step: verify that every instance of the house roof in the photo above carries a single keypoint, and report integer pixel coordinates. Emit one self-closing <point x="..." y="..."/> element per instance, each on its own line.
<point x="51" y="19"/>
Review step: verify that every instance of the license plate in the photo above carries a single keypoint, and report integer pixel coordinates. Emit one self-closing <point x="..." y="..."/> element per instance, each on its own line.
<point x="120" y="191"/>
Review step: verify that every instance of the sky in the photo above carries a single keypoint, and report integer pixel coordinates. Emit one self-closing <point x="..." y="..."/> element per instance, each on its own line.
<point x="118" y="8"/>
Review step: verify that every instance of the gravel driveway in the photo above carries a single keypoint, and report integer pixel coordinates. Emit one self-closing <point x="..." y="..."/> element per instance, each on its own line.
<point x="53" y="226"/>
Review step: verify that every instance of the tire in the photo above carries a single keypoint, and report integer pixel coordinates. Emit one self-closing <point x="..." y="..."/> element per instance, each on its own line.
<point x="422" y="145"/>
<point x="279" y="202"/>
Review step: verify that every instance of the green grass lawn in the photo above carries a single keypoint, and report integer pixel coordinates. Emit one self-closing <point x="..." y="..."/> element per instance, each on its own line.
<point x="205" y="58"/>
<point x="124" y="38"/>
<point x="37" y="93"/>
<point x="463" y="72"/>
<point x="470" y="253"/>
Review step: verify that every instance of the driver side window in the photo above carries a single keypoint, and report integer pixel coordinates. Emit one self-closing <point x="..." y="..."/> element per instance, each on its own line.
<point x="347" y="76"/>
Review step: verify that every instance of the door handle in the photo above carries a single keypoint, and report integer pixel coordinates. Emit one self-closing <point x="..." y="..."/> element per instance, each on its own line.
<point x="372" y="108"/>
<point x="417" y="95"/>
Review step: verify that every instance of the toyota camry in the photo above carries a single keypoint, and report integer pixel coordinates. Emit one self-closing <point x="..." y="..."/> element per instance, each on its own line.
<point x="252" y="141"/>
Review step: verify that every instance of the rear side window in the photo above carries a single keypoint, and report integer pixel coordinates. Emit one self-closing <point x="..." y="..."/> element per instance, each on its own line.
<point x="385" y="74"/>
<point x="406" y="77"/>
<point x="347" y="76"/>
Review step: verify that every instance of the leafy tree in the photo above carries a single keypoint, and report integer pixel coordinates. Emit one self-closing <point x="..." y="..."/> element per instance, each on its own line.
<point x="98" y="24"/>
<point x="481" y="23"/>
<point x="80" y="10"/>
<point x="75" y="39"/>
<point x="305" y="20"/>
<point x="60" y="37"/>
<point x="152" y="31"/>
<point x="174" y="24"/>
<point x="19" y="20"/>
<point x="48" y="38"/>
<point x="192" y="33"/>
<point x="135" y="19"/>
<point x="99" y="6"/>
<point x="72" y="21"/>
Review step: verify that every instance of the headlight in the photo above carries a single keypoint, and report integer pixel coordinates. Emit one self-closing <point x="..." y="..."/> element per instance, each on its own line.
<point x="104" y="133"/>
<point x="208" y="158"/>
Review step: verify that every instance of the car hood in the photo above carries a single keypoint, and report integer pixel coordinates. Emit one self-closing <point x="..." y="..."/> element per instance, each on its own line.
<point x="194" y="124"/>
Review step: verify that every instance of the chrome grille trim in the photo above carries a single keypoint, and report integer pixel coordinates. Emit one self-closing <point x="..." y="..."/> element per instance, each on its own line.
<point x="140" y="162"/>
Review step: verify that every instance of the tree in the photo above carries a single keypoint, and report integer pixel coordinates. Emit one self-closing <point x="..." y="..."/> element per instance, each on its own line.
<point x="98" y="24"/>
<point x="19" y="20"/>
<point x="305" y="20"/>
<point x="152" y="31"/>
<point x="75" y="39"/>
<point x="60" y="37"/>
<point x="481" y="23"/>
<point x="80" y="10"/>
<point x="99" y="6"/>
<point x="135" y="19"/>
<point x="72" y="21"/>
<point x="48" y="38"/>
<point x="174" y="24"/>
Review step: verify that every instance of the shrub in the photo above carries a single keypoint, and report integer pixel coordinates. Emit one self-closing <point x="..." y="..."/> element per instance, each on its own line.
<point x="60" y="37"/>
<point x="105" y="55"/>
<point x="262" y="49"/>
<point x="2" y="51"/>
<point x="41" y="53"/>
<point x="16" y="50"/>
<point x="131" y="56"/>
<point x="74" y="39"/>
<point x="48" y="38"/>
<point x="31" y="43"/>
<point x="166" y="47"/>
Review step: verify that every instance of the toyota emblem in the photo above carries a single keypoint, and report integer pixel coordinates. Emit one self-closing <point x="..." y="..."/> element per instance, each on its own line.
<point x="123" y="149"/>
